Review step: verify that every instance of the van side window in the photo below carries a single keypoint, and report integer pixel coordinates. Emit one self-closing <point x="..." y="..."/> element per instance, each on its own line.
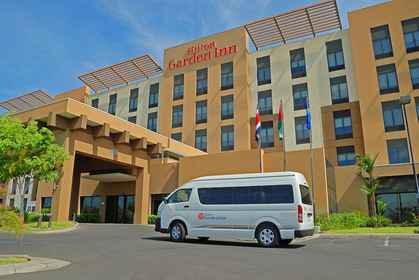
<point x="180" y="196"/>
<point x="275" y="194"/>
<point x="305" y="195"/>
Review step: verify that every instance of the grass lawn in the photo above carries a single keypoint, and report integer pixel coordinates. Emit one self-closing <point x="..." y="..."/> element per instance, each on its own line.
<point x="12" y="260"/>
<point x="382" y="230"/>
<point x="33" y="227"/>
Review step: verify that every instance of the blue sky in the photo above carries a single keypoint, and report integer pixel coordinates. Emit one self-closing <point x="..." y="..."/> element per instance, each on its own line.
<point x="48" y="44"/>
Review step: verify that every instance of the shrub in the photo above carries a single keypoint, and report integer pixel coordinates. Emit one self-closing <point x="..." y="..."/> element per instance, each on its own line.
<point x="152" y="219"/>
<point x="341" y="221"/>
<point x="32" y="217"/>
<point x="9" y="220"/>
<point x="378" y="221"/>
<point x="88" y="218"/>
<point x="417" y="230"/>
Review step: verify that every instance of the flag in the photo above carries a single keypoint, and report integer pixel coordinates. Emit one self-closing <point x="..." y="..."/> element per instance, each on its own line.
<point x="308" y="116"/>
<point x="258" y="124"/>
<point x="280" y="123"/>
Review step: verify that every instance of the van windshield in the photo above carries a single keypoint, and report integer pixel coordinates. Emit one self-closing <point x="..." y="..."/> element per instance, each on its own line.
<point x="305" y="195"/>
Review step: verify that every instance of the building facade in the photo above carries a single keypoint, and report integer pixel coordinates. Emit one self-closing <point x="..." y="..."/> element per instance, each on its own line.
<point x="200" y="107"/>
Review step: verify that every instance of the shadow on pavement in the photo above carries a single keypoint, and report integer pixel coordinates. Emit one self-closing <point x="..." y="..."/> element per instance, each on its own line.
<point x="221" y="243"/>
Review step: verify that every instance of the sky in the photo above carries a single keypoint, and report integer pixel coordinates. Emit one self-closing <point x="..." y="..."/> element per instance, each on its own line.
<point x="47" y="44"/>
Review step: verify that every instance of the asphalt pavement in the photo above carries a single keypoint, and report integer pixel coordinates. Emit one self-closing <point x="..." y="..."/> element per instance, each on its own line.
<point x="104" y="251"/>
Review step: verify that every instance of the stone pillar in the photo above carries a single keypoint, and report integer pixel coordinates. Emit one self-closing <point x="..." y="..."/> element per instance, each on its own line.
<point x="61" y="197"/>
<point x="142" y="195"/>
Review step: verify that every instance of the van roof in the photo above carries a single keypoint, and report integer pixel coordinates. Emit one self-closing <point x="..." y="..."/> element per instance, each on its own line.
<point x="249" y="175"/>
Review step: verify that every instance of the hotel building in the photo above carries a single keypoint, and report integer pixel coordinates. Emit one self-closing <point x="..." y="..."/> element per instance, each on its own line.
<point x="136" y="130"/>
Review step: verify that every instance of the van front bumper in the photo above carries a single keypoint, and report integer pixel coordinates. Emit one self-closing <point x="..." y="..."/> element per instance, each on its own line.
<point x="158" y="228"/>
<point x="303" y="233"/>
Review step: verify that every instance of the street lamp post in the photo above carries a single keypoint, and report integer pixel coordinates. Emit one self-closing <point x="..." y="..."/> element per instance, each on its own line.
<point x="404" y="100"/>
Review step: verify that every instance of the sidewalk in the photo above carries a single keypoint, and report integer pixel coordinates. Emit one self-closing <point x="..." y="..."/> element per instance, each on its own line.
<point x="35" y="264"/>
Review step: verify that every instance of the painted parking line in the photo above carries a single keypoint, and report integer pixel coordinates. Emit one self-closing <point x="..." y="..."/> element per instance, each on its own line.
<point x="387" y="241"/>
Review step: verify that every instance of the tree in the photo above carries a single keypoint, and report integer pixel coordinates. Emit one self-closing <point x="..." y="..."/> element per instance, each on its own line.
<point x="370" y="184"/>
<point x="28" y="150"/>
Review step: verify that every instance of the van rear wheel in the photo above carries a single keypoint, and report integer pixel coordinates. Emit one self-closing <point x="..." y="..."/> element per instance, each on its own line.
<point x="267" y="236"/>
<point x="177" y="232"/>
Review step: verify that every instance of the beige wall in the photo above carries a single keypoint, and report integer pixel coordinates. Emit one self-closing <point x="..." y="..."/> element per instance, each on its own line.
<point x="122" y="108"/>
<point x="360" y="22"/>
<point x="317" y="80"/>
<point x="235" y="37"/>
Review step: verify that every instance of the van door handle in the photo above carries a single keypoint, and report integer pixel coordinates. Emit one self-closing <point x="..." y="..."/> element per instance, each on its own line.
<point x="309" y="214"/>
<point x="186" y="206"/>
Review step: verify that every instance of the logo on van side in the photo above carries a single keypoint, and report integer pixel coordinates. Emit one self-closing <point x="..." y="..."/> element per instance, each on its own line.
<point x="206" y="216"/>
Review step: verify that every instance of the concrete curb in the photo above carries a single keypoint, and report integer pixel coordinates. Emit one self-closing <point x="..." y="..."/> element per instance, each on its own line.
<point x="35" y="264"/>
<point x="352" y="235"/>
<point x="73" y="228"/>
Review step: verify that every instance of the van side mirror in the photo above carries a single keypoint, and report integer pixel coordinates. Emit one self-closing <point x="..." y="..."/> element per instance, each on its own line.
<point x="165" y="200"/>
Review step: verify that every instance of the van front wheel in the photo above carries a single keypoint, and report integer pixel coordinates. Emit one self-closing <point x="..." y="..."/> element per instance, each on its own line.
<point x="267" y="236"/>
<point x="177" y="232"/>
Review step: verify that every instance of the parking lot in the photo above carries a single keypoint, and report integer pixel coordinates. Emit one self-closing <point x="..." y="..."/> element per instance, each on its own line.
<point x="137" y="252"/>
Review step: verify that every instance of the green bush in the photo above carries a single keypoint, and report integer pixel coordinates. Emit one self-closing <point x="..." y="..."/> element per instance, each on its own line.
<point x="341" y="221"/>
<point x="152" y="219"/>
<point x="378" y="221"/>
<point x="32" y="217"/>
<point x="10" y="221"/>
<point x="88" y="218"/>
<point x="417" y="230"/>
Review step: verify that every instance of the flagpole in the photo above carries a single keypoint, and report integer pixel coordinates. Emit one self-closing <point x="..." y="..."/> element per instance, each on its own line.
<point x="283" y="136"/>
<point x="311" y="160"/>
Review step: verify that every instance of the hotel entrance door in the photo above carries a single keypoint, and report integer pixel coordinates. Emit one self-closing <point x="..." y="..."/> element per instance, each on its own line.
<point x="120" y="209"/>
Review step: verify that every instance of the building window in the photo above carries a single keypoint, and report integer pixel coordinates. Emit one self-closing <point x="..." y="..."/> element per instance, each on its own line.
<point x="95" y="103"/>
<point x="178" y="87"/>
<point x="381" y="42"/>
<point x="177" y="136"/>
<point x="298" y="63"/>
<point x="227" y="138"/>
<point x="417" y="106"/>
<point x="265" y="102"/>
<point x="302" y="133"/>
<point x="132" y="119"/>
<point x="112" y="104"/>
<point x="397" y="151"/>
<point x="46" y="202"/>
<point x="414" y="73"/>
<point x="152" y="121"/>
<point x="300" y="96"/>
<point x="177" y="116"/>
<point x="14" y="186"/>
<point x="411" y="34"/>
<point x="263" y="70"/>
<point x="133" y="100"/>
<point x="339" y="90"/>
<point x="90" y="204"/>
<point x="227" y="75"/>
<point x="393" y="116"/>
<point x="345" y="155"/>
<point x="12" y="203"/>
<point x="201" y="112"/>
<point x="201" y="139"/>
<point x="153" y="97"/>
<point x="227" y="107"/>
<point x="335" y="58"/>
<point x="387" y="79"/>
<point x="343" y="124"/>
<point x="27" y="184"/>
<point x="202" y="81"/>
<point x="267" y="134"/>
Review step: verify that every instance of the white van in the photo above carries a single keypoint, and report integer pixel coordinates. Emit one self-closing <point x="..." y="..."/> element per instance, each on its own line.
<point x="274" y="208"/>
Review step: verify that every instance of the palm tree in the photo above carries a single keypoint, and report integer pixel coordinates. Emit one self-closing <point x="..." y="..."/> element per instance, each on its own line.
<point x="370" y="184"/>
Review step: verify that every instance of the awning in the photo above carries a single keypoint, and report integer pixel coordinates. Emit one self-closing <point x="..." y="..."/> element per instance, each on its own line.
<point x="27" y="101"/>
<point x="134" y="69"/>
<point x="295" y="24"/>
